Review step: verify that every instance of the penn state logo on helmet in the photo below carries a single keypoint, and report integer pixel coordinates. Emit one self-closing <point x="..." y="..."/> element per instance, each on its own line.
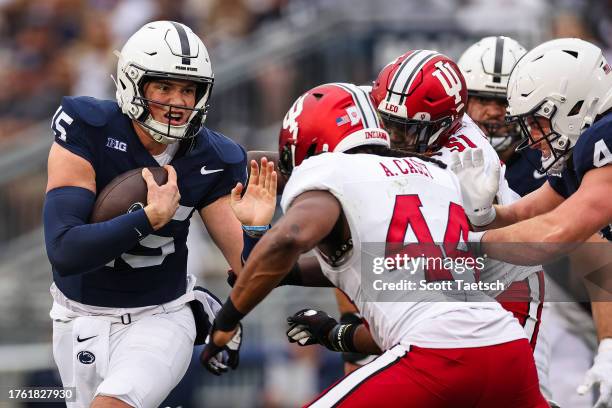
<point x="164" y="50"/>
<point x="421" y="98"/>
<point x="333" y="117"/>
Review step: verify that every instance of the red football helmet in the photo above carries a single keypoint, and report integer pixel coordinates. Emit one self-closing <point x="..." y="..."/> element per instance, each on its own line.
<point x="329" y="118"/>
<point x="421" y="98"/>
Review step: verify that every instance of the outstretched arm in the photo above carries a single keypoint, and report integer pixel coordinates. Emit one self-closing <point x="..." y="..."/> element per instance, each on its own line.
<point x="279" y="249"/>
<point x="224" y="217"/>
<point x="273" y="257"/>
<point x="543" y="238"/>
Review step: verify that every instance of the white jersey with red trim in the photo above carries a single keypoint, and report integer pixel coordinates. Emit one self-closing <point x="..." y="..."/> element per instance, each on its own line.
<point x="470" y="136"/>
<point x="406" y="201"/>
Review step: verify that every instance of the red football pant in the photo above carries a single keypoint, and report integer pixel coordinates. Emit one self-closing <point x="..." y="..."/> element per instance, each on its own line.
<point x="525" y="299"/>
<point x="498" y="376"/>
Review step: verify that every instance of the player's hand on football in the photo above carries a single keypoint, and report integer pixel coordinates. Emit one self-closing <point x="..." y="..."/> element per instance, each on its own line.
<point x="162" y="201"/>
<point x="600" y="374"/>
<point x="479" y="185"/>
<point x="257" y="205"/>
<point x="222" y="350"/>
<point x="310" y="326"/>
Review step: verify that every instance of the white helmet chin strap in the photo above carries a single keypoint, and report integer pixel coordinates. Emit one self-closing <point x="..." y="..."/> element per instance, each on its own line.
<point x="158" y="131"/>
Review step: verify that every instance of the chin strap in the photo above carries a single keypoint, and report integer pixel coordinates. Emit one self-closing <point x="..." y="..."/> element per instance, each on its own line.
<point x="154" y="128"/>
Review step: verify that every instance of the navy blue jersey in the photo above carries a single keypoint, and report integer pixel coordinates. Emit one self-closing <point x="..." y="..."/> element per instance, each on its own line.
<point x="153" y="272"/>
<point x="521" y="174"/>
<point x="593" y="150"/>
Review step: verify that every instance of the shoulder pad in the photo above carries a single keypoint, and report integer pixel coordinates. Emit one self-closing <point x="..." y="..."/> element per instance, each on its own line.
<point x="92" y="111"/>
<point x="229" y="152"/>
<point x="315" y="173"/>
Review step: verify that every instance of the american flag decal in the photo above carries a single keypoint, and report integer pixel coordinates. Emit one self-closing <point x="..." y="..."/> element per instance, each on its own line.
<point x="342" y="120"/>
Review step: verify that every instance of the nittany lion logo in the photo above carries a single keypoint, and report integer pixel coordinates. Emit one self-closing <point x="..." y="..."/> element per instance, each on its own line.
<point x="86" y="357"/>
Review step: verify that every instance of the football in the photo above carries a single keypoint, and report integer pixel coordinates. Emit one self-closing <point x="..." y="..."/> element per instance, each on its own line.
<point x="125" y="193"/>
<point x="271" y="156"/>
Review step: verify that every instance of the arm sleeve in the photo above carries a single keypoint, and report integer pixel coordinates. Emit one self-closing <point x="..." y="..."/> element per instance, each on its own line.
<point x="75" y="247"/>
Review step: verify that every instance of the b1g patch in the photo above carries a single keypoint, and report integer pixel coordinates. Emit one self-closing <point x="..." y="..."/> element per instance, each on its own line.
<point x="86" y="357"/>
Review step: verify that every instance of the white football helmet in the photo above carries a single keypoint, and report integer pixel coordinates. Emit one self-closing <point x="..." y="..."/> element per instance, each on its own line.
<point x="486" y="66"/>
<point x="568" y="83"/>
<point x="163" y="49"/>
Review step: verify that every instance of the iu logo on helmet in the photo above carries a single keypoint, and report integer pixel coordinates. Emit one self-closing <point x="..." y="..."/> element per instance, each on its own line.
<point x="450" y="81"/>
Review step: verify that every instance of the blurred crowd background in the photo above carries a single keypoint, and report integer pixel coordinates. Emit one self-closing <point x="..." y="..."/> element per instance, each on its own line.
<point x="264" y="54"/>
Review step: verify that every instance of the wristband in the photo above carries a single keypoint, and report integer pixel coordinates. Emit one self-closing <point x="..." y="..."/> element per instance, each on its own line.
<point x="480" y="218"/>
<point x="605" y="345"/>
<point x="341" y="337"/>
<point x="255" y="231"/>
<point x="228" y="317"/>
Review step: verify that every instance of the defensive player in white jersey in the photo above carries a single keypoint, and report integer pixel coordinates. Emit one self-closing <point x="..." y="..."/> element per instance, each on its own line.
<point x="421" y="97"/>
<point x="434" y="354"/>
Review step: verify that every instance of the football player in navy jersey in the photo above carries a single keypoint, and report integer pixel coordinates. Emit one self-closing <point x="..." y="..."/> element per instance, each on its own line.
<point x="560" y="95"/>
<point x="486" y="66"/>
<point x="123" y="328"/>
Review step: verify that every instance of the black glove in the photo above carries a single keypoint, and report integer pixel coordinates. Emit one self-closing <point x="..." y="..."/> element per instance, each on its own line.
<point x="218" y="359"/>
<point x="310" y="326"/>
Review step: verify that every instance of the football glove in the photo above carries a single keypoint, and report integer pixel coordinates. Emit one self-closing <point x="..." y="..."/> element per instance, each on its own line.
<point x="600" y="373"/>
<point x="479" y="186"/>
<point x="310" y="326"/>
<point x="219" y="359"/>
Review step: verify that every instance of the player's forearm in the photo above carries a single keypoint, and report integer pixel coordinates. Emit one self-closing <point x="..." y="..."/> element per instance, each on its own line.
<point x="75" y="247"/>
<point x="363" y="341"/>
<point x="504" y="215"/>
<point x="307" y="272"/>
<point x="538" y="202"/>
<point x="270" y="261"/>
<point x="531" y="242"/>
<point x="602" y="316"/>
